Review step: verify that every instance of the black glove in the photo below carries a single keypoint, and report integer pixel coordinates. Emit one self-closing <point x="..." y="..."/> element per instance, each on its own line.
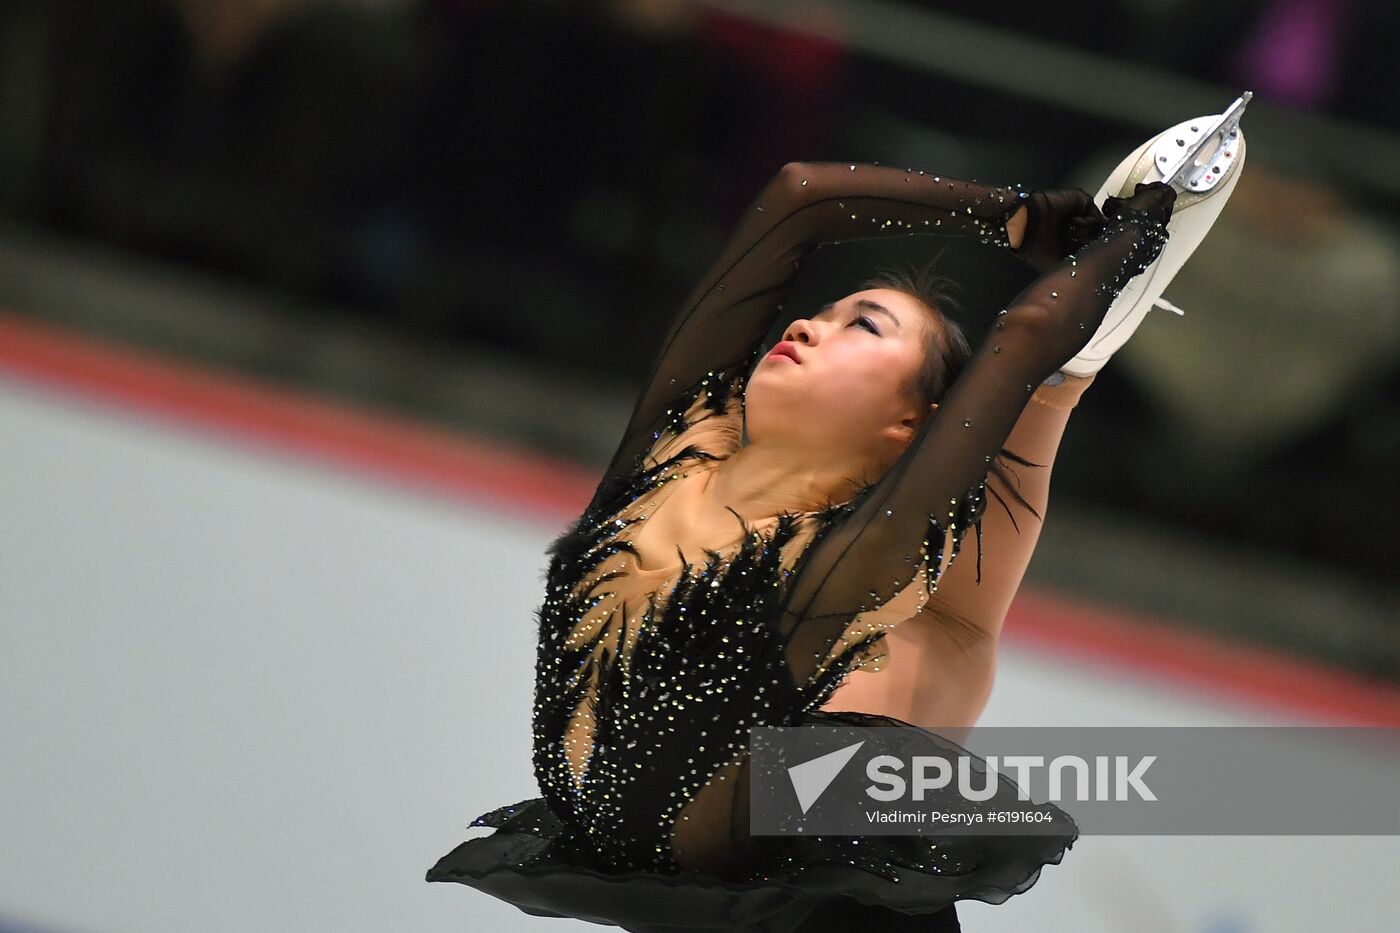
<point x="1058" y="222"/>
<point x="1152" y="202"/>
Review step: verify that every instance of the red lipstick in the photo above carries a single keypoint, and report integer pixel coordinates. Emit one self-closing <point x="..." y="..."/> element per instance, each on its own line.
<point x="788" y="349"/>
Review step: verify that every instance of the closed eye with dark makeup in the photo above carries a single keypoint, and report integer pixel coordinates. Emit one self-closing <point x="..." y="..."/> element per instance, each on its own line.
<point x="866" y="323"/>
<point x="862" y="319"/>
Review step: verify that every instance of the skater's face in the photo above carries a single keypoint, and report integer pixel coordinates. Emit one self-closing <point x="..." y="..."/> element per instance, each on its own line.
<point x="850" y="384"/>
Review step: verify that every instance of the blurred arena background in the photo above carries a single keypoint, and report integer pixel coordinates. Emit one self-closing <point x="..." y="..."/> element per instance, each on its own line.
<point x="317" y="318"/>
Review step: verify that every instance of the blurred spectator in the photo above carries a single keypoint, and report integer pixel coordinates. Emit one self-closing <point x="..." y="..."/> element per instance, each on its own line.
<point x="1292" y="53"/>
<point x="794" y="99"/>
<point x="224" y="30"/>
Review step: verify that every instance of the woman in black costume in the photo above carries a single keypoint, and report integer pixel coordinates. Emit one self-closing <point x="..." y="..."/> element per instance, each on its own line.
<point x="713" y="585"/>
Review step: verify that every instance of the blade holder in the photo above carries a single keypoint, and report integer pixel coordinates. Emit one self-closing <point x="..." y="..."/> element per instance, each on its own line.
<point x="1196" y="154"/>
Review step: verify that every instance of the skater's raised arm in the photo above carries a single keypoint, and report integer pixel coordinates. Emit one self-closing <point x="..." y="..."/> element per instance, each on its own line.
<point x="722" y="322"/>
<point x="934" y="491"/>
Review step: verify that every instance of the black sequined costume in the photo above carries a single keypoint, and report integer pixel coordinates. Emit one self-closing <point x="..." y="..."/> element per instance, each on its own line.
<point x="649" y="677"/>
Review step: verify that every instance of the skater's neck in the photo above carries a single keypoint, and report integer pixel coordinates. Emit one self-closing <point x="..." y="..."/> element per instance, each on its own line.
<point x="764" y="479"/>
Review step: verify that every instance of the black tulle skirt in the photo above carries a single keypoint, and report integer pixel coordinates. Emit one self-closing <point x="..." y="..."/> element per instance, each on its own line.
<point x="885" y="876"/>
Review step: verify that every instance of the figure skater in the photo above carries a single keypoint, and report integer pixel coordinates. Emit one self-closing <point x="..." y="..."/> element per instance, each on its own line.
<point x="712" y="585"/>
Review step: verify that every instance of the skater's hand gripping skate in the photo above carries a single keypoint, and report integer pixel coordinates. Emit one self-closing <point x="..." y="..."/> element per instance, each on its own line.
<point x="1058" y="222"/>
<point x="1152" y="202"/>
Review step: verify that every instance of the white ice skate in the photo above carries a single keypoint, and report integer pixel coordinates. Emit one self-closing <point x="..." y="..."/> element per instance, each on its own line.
<point x="1201" y="159"/>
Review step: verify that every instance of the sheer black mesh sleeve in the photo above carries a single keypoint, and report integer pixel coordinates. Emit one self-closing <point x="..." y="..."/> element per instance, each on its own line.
<point x="925" y="502"/>
<point x="723" y="321"/>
